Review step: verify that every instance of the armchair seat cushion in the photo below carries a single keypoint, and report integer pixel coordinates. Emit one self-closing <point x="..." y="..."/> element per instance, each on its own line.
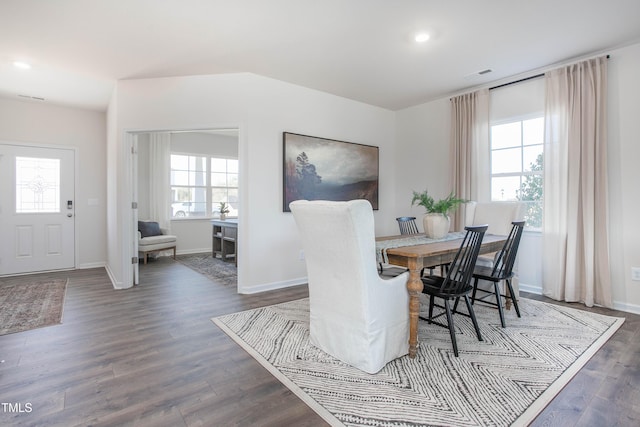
<point x="161" y="239"/>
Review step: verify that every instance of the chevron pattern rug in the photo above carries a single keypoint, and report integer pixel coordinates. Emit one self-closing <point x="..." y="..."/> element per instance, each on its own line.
<point x="507" y="379"/>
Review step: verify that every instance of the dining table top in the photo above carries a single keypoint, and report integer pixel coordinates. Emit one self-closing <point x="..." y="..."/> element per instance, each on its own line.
<point x="490" y="243"/>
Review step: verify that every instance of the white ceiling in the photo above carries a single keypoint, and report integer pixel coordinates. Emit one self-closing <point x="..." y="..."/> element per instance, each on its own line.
<point x="358" y="49"/>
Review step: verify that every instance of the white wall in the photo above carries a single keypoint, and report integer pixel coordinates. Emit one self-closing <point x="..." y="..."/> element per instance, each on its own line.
<point x="424" y="129"/>
<point x="262" y="109"/>
<point x="624" y="174"/>
<point x="422" y="146"/>
<point x="46" y="124"/>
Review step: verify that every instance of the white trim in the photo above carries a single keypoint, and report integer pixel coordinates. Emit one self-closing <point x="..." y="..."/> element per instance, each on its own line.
<point x="628" y="308"/>
<point x="271" y="286"/>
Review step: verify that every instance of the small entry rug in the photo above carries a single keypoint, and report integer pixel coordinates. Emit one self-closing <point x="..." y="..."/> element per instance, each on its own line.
<point x="507" y="379"/>
<point x="31" y="304"/>
<point x="224" y="273"/>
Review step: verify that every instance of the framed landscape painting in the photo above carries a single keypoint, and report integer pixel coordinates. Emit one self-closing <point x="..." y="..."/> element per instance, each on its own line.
<point x="326" y="169"/>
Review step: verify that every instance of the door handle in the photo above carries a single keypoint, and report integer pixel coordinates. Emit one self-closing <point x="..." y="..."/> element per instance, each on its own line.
<point x="69" y="214"/>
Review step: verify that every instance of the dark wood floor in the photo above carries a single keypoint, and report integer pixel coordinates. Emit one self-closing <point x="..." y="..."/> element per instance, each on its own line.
<point x="150" y="356"/>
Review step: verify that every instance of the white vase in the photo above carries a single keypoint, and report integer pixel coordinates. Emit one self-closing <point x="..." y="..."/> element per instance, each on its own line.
<point x="436" y="225"/>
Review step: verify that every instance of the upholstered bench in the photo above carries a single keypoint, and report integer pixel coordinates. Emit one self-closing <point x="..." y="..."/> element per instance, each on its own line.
<point x="152" y="238"/>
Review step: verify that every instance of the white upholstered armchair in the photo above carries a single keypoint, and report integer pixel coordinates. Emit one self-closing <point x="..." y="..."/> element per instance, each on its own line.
<point x="152" y="238"/>
<point x="355" y="315"/>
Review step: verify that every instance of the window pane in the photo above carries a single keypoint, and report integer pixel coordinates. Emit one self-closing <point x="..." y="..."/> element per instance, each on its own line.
<point x="232" y="165"/>
<point x="505" y="188"/>
<point x="232" y="180"/>
<point x="37" y="185"/>
<point x="218" y="165"/>
<point x="197" y="178"/>
<point x="218" y="195"/>
<point x="179" y="162"/>
<point x="532" y="158"/>
<point x="533" y="131"/>
<point x="179" y="178"/>
<point x="506" y="161"/>
<point x="219" y="179"/>
<point x="506" y="135"/>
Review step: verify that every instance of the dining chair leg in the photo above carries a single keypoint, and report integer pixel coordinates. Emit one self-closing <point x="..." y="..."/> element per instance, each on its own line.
<point x="472" y="314"/>
<point x="452" y="330"/>
<point x="431" y="305"/>
<point x="499" y="303"/>
<point x="475" y="288"/>
<point x="513" y="299"/>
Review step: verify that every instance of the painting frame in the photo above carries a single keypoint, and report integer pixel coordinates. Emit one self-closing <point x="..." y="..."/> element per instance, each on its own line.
<point x="316" y="168"/>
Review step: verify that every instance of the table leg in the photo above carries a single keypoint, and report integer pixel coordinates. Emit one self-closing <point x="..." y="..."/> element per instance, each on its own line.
<point x="414" y="286"/>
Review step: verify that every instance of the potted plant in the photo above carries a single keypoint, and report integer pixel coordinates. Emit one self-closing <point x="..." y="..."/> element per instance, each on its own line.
<point x="224" y="210"/>
<point x="436" y="220"/>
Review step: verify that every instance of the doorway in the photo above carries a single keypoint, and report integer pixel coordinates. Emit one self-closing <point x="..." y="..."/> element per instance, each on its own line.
<point x="37" y="209"/>
<point x="193" y="183"/>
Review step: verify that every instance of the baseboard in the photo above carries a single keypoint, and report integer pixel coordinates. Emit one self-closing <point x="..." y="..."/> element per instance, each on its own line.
<point x="272" y="286"/>
<point x="530" y="288"/>
<point x="88" y="265"/>
<point x="628" y="308"/>
<point x="617" y="305"/>
<point x="194" y="251"/>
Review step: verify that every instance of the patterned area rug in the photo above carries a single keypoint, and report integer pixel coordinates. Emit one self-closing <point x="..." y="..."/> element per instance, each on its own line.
<point x="31" y="304"/>
<point x="507" y="379"/>
<point x="224" y="273"/>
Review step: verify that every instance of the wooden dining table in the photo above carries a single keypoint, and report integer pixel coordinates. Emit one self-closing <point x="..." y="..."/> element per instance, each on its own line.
<point x="415" y="257"/>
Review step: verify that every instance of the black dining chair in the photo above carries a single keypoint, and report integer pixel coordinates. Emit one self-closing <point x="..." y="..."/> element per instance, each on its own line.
<point x="456" y="284"/>
<point x="502" y="269"/>
<point x="407" y="225"/>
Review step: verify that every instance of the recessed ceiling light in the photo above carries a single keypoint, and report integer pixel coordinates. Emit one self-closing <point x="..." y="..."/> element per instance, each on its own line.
<point x="21" y="64"/>
<point x="421" y="37"/>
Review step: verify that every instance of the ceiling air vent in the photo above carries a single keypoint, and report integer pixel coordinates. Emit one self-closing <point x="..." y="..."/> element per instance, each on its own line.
<point x="37" y="98"/>
<point x="478" y="74"/>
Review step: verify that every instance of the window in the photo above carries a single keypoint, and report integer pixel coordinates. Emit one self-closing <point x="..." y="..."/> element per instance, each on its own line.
<point x="37" y="185"/>
<point x="200" y="183"/>
<point x="517" y="165"/>
<point x="224" y="184"/>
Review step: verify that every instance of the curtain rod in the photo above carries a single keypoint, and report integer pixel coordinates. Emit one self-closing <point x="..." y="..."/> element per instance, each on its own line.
<point x="523" y="80"/>
<point x="518" y="81"/>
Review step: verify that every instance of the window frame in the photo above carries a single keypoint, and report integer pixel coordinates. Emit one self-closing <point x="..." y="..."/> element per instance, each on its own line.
<point x="522" y="174"/>
<point x="209" y="210"/>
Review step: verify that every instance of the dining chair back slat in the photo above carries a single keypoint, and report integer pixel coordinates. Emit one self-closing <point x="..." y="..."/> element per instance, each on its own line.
<point x="407" y="225"/>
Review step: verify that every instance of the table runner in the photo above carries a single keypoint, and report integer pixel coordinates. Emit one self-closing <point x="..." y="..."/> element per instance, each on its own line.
<point x="410" y="240"/>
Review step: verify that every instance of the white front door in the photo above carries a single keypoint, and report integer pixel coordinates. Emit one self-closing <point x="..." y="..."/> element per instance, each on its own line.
<point x="37" y="209"/>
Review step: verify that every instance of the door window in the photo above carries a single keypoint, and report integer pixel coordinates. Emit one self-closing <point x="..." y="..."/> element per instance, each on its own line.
<point x="37" y="185"/>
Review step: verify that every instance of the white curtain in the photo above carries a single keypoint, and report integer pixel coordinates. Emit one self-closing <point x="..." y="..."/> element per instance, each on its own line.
<point x="575" y="235"/>
<point x="159" y="170"/>
<point x="469" y="149"/>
